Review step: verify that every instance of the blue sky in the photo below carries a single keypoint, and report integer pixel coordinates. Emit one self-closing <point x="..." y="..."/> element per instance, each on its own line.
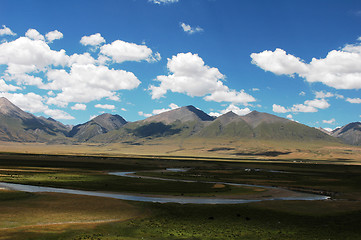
<point x="72" y="60"/>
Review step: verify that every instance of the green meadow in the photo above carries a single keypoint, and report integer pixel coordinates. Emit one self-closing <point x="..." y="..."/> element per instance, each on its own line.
<point x="65" y="216"/>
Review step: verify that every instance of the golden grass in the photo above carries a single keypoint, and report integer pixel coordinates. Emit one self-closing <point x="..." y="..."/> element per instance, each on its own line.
<point x="53" y="209"/>
<point x="313" y="151"/>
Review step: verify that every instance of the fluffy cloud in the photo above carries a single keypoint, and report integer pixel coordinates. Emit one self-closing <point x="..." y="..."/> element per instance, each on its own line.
<point x="302" y="108"/>
<point x="188" y="29"/>
<point x="234" y="109"/>
<point x="340" y="69"/>
<point x="7" y="87"/>
<point x="331" y="121"/>
<point x="289" y="116"/>
<point x="76" y="78"/>
<point x="53" y="35"/>
<point x="214" y="114"/>
<point x="322" y="94"/>
<point x="105" y="106"/>
<point x="318" y="103"/>
<point x="120" y="51"/>
<point x="354" y="100"/>
<point x="226" y="95"/>
<point x="92" y="40"/>
<point x="23" y="56"/>
<point x="278" y="62"/>
<point x="6" y="31"/>
<point x="58" y="114"/>
<point x="140" y="113"/>
<point x="88" y="82"/>
<point x="190" y="75"/>
<point x="34" y="103"/>
<point x="163" y="1"/>
<point x="171" y="107"/>
<point x="307" y="106"/>
<point x="82" y="59"/>
<point x="279" y="109"/>
<point x="79" y="106"/>
<point x="34" y="35"/>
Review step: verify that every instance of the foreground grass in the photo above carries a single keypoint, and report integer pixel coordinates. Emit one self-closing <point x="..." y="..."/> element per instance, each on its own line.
<point x="21" y="209"/>
<point x="195" y="148"/>
<point x="63" y="216"/>
<point x="277" y="220"/>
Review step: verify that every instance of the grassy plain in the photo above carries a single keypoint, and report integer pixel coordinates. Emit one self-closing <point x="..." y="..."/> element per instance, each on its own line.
<point x="63" y="216"/>
<point x="55" y="216"/>
<point x="198" y="148"/>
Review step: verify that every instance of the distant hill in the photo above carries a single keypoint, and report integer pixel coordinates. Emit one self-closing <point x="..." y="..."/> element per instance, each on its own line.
<point x="183" y="114"/>
<point x="20" y="126"/>
<point x="181" y="123"/>
<point x="259" y="125"/>
<point x="187" y="122"/>
<point x="98" y="125"/>
<point x="350" y="133"/>
<point x="228" y="125"/>
<point x="324" y="131"/>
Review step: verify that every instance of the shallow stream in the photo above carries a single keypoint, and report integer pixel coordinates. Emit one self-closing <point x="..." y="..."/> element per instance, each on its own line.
<point x="164" y="198"/>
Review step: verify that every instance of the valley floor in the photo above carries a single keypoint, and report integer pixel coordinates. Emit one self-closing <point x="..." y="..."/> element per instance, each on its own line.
<point x="66" y="216"/>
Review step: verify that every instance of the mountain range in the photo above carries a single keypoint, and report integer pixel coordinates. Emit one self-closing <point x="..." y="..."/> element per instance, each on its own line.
<point x="184" y="122"/>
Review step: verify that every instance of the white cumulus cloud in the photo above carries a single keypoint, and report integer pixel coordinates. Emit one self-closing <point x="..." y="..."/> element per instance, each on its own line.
<point x="163" y="1"/>
<point x="140" y="113"/>
<point x="279" y="62"/>
<point x="34" y="35"/>
<point x="318" y="103"/>
<point x="34" y="103"/>
<point x="279" y="109"/>
<point x="190" y="75"/>
<point x="331" y="121"/>
<point x="340" y="69"/>
<point x="79" y="106"/>
<point x="53" y="35"/>
<point x="354" y="100"/>
<point x="58" y="114"/>
<point x="172" y="106"/>
<point x="307" y="106"/>
<point x="78" y="78"/>
<point x="120" y="51"/>
<point x="234" y="109"/>
<point x="88" y="82"/>
<point x="105" y="106"/>
<point x="23" y="56"/>
<point x="188" y="29"/>
<point x="227" y="95"/>
<point x="7" y="87"/>
<point x="322" y="94"/>
<point x="92" y="40"/>
<point x="6" y="31"/>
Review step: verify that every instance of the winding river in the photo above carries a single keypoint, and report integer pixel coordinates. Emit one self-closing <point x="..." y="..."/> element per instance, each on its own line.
<point x="165" y="198"/>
